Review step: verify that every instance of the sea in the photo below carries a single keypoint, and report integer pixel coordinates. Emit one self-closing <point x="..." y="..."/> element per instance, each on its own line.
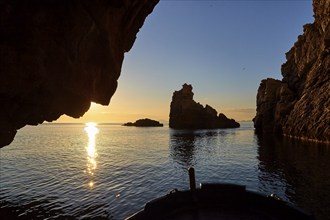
<point x="109" y="171"/>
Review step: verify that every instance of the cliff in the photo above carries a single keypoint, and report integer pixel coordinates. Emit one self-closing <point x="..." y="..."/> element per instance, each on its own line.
<point x="58" y="56"/>
<point x="299" y="104"/>
<point x="185" y="113"/>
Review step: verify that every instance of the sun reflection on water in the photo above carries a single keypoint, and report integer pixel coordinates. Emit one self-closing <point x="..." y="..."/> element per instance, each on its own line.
<point x="91" y="131"/>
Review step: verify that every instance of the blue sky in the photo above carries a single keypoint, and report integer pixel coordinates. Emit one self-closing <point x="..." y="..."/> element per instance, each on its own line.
<point x="223" y="48"/>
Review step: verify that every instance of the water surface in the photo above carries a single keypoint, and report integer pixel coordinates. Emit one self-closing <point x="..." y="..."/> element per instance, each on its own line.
<point x="71" y="171"/>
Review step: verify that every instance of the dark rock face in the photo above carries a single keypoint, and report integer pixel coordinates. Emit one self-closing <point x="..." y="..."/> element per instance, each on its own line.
<point x="299" y="104"/>
<point x="144" y="123"/>
<point x="57" y="56"/>
<point x="185" y="113"/>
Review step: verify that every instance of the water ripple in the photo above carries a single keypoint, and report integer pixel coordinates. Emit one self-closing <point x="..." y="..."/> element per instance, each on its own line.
<point x="56" y="172"/>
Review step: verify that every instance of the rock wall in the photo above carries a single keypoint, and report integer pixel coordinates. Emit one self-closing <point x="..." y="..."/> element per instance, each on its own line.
<point x="57" y="56"/>
<point x="185" y="113"/>
<point x="299" y="104"/>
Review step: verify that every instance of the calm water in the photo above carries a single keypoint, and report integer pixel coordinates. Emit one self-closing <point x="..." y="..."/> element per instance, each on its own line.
<point x="110" y="171"/>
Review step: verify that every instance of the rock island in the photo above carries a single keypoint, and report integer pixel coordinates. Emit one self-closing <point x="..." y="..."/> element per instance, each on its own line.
<point x="185" y="113"/>
<point x="144" y="123"/>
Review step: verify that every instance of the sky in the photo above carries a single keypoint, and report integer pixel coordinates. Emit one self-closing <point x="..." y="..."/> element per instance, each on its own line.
<point x="222" y="48"/>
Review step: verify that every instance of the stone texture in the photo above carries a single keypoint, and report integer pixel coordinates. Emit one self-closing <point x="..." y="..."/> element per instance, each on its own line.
<point x="58" y="56"/>
<point x="185" y="113"/>
<point x="299" y="104"/>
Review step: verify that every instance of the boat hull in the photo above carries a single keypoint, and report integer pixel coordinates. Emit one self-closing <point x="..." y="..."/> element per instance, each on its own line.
<point x="219" y="201"/>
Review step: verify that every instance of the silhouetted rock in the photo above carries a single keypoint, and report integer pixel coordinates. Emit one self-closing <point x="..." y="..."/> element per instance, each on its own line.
<point x="58" y="56"/>
<point x="299" y="104"/>
<point x="144" y="123"/>
<point x="185" y="113"/>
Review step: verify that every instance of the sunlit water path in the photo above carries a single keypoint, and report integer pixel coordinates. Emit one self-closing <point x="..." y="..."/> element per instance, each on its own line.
<point x="76" y="171"/>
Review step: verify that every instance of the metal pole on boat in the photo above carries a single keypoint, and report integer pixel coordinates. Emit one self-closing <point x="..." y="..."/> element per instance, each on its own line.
<point x="192" y="180"/>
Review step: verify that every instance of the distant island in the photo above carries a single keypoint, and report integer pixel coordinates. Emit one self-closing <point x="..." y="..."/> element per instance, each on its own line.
<point x="185" y="113"/>
<point x="144" y="123"/>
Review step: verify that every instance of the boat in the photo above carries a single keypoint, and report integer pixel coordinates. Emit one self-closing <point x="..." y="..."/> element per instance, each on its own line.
<point x="219" y="201"/>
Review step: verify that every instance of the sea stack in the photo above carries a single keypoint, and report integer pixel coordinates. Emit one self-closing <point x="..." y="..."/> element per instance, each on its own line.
<point x="185" y="113"/>
<point x="299" y="104"/>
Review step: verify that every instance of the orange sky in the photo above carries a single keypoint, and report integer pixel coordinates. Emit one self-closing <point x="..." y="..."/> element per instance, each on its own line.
<point x="107" y="114"/>
<point x="222" y="48"/>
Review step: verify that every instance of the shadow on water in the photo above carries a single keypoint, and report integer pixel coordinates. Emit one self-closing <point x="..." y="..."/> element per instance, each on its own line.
<point x="44" y="209"/>
<point x="184" y="144"/>
<point x="301" y="168"/>
<point x="32" y="210"/>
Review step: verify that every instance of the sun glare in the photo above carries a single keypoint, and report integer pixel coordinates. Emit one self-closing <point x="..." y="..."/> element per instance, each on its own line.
<point x="91" y="131"/>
